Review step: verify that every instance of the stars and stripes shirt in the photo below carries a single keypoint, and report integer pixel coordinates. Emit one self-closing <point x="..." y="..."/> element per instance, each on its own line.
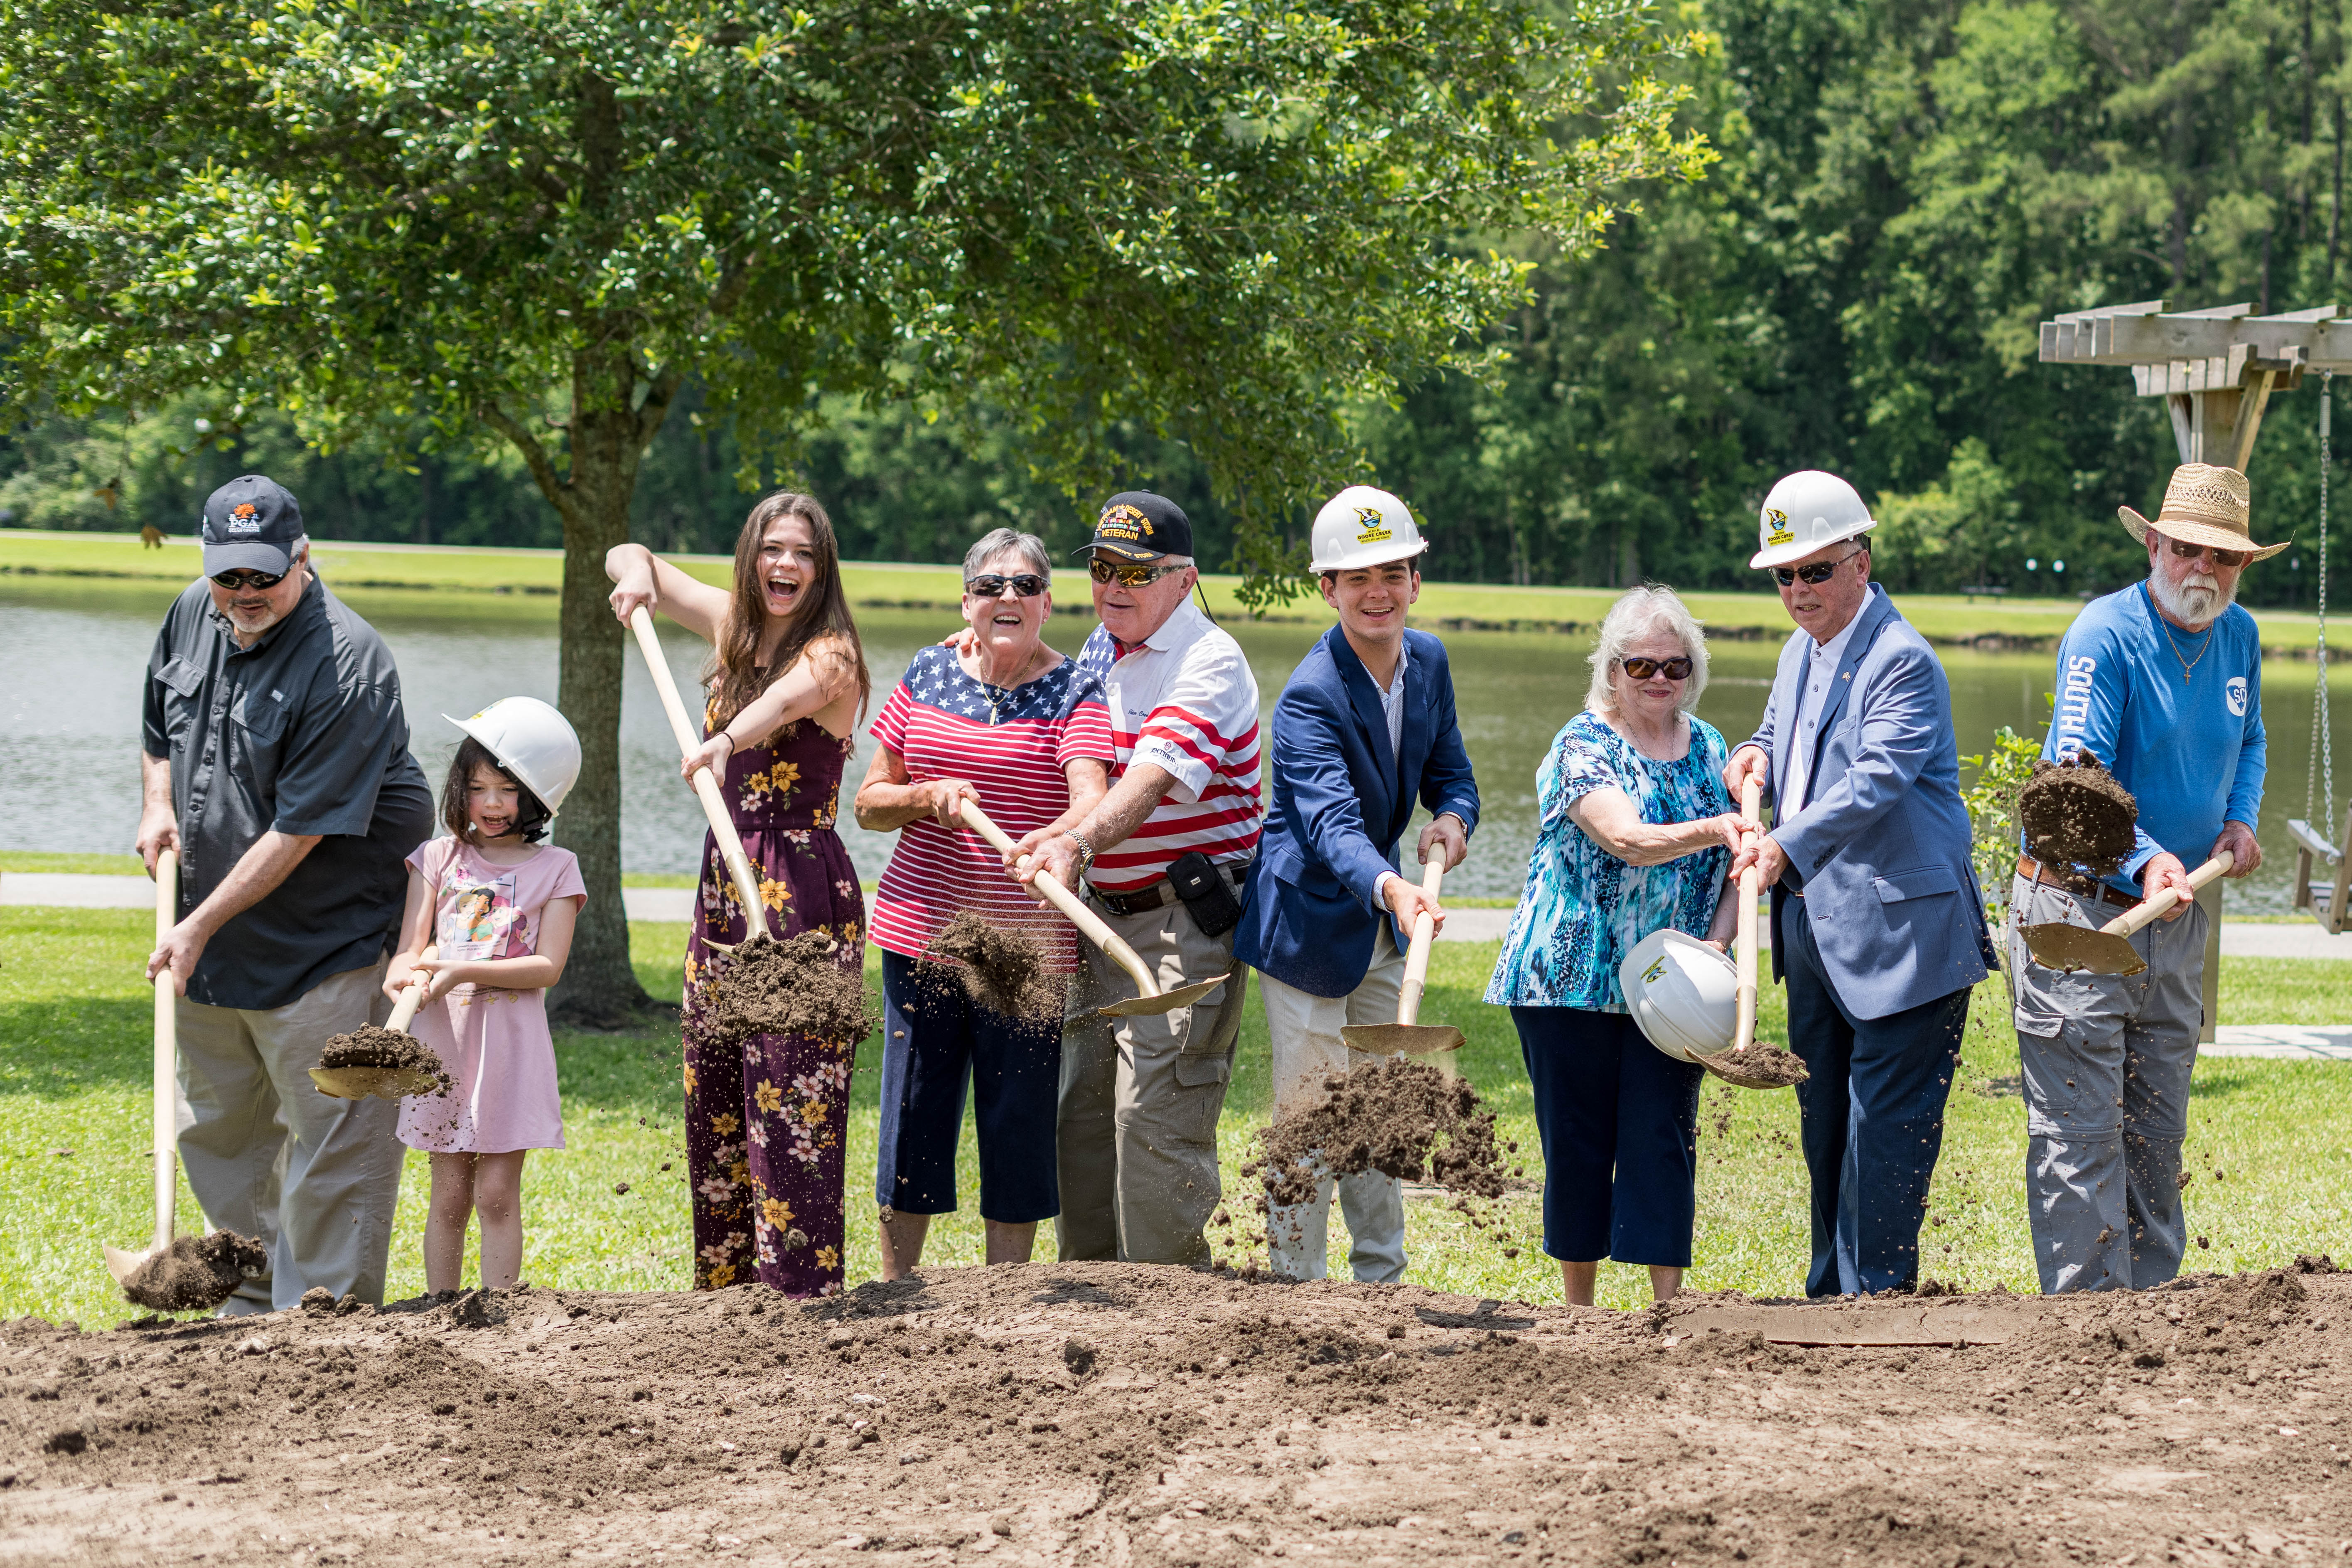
<point x="1013" y="746"/>
<point x="1183" y="700"/>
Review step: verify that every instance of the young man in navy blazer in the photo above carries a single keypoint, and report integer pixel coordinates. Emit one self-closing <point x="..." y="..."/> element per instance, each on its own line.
<point x="1363" y="731"/>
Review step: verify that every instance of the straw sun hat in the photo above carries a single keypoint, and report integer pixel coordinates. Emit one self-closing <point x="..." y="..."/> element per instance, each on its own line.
<point x="2204" y="505"/>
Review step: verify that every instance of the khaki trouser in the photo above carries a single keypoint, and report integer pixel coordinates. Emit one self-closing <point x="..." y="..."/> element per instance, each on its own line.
<point x="313" y="1178"/>
<point x="1308" y="1048"/>
<point x="1139" y="1097"/>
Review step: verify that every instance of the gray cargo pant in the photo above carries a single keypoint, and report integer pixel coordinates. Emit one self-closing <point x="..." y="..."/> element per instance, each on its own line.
<point x="2107" y="1060"/>
<point x="313" y="1178"/>
<point x="1140" y="1096"/>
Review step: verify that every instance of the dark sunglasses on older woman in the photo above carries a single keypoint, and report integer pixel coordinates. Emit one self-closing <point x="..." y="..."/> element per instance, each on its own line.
<point x="1028" y="584"/>
<point x="1643" y="669"/>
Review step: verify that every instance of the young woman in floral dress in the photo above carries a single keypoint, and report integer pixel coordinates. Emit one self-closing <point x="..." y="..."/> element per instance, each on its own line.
<point x="767" y="1122"/>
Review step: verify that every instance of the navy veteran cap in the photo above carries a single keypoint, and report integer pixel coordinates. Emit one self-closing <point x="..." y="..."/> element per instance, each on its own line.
<point x="251" y="523"/>
<point x="1136" y="525"/>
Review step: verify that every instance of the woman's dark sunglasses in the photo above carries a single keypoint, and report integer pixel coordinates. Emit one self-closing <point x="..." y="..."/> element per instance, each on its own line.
<point x="1671" y="668"/>
<point x="1028" y="584"/>
<point x="233" y="581"/>
<point x="2226" y="558"/>
<point x="1129" y="576"/>
<point x="1820" y="571"/>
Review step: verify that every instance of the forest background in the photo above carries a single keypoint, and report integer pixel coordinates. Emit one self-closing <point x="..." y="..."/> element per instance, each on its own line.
<point x="1905" y="190"/>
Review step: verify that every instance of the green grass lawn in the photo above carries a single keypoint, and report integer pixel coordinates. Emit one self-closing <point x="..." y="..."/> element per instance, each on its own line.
<point x="75" y="865"/>
<point x="73" y="1077"/>
<point x="528" y="575"/>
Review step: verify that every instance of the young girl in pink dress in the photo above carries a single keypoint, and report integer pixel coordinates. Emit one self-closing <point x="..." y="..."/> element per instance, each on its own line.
<point x="498" y="907"/>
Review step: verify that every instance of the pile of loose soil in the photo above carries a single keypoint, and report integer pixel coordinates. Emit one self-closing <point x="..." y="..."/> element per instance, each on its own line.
<point x="372" y="1046"/>
<point x="1397" y="1116"/>
<point x="1121" y="1413"/>
<point x="798" y="986"/>
<point x="2076" y="814"/>
<point x="1003" y="971"/>
<point x="1760" y="1066"/>
<point x="197" y="1273"/>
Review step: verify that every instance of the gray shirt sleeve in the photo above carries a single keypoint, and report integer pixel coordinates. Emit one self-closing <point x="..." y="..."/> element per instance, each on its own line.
<point x="336" y="752"/>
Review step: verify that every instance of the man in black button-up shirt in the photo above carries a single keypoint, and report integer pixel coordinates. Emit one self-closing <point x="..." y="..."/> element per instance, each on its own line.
<point x="276" y="762"/>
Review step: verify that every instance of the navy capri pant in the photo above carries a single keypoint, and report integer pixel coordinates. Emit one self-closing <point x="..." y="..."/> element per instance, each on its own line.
<point x="933" y="1036"/>
<point x="1619" y="1122"/>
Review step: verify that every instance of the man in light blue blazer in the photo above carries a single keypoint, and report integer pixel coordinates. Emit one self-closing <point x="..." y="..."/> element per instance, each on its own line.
<point x="1877" y="923"/>
<point x="1363" y="729"/>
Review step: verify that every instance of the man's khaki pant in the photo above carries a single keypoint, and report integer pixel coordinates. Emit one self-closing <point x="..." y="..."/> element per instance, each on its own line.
<point x="1308" y="1048"/>
<point x="1140" y="1096"/>
<point x="313" y="1178"/>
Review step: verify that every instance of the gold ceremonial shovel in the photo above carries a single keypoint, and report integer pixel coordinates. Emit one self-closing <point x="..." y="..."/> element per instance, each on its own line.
<point x="1406" y="1033"/>
<point x="167" y="1168"/>
<point x="2055" y="945"/>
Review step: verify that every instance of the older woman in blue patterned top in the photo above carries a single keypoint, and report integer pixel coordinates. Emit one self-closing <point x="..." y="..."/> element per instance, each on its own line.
<point x="1635" y="832"/>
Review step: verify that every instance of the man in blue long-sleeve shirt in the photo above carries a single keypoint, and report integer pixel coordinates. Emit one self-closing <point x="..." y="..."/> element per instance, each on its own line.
<point x="2162" y="682"/>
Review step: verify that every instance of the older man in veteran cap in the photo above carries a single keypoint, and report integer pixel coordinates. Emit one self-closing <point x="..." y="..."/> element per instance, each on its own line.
<point x="2162" y="681"/>
<point x="276" y="762"/>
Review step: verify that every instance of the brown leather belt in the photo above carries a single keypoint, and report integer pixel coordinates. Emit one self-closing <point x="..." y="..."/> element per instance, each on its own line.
<point x="2085" y="887"/>
<point x="1158" y="895"/>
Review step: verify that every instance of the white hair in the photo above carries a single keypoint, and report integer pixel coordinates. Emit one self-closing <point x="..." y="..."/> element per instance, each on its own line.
<point x="1639" y="612"/>
<point x="997" y="540"/>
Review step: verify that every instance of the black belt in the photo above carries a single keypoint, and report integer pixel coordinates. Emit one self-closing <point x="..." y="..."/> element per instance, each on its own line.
<point x="1158" y="895"/>
<point x="2089" y="889"/>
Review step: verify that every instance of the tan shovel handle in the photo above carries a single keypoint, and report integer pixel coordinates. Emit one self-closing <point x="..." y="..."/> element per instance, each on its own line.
<point x="411" y="996"/>
<point x="2131" y="919"/>
<point x="1069" y="902"/>
<point x="1751" y="798"/>
<point x="1425" y="935"/>
<point x="167" y="1051"/>
<point x="714" y="805"/>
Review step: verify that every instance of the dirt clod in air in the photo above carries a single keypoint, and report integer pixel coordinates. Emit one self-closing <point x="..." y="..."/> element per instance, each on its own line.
<point x="197" y="1273"/>
<point x="1003" y="971"/>
<point x="2076" y="814"/>
<point x="798" y="986"/>
<point x="1397" y="1116"/>
<point x="370" y="1046"/>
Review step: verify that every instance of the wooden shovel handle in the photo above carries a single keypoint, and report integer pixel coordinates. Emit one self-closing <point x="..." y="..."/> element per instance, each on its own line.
<point x="1424" y="934"/>
<point x="1751" y="799"/>
<point x="411" y="996"/>
<point x="714" y="805"/>
<point x="2131" y="919"/>
<point x="167" y="1053"/>
<point x="1069" y="902"/>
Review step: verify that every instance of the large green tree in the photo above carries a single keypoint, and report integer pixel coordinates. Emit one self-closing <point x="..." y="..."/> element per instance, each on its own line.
<point x="532" y="221"/>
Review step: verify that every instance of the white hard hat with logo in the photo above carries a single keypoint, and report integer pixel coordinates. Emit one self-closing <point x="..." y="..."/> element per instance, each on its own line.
<point x="1684" y="994"/>
<point x="531" y="741"/>
<point x="1805" y="512"/>
<point x="1362" y="527"/>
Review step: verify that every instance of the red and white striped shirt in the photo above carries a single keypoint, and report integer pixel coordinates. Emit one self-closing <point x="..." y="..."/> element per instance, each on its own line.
<point x="942" y="723"/>
<point x="1183" y="700"/>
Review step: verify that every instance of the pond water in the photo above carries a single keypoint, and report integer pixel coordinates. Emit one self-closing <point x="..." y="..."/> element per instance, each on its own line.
<point x="75" y="656"/>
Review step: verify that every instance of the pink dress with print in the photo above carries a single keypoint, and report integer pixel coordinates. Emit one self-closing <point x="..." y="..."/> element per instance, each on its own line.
<point x="494" y="1042"/>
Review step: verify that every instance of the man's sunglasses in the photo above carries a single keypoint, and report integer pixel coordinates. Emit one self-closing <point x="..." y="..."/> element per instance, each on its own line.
<point x="1671" y="668"/>
<point x="1820" y="571"/>
<point x="237" y="580"/>
<point x="2232" y="558"/>
<point x="1127" y="576"/>
<point x="1028" y="584"/>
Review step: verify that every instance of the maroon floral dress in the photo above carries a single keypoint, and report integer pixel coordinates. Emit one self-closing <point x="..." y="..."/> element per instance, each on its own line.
<point x="767" y="1120"/>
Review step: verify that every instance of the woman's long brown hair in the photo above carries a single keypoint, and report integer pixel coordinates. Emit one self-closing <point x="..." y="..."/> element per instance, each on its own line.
<point x="734" y="677"/>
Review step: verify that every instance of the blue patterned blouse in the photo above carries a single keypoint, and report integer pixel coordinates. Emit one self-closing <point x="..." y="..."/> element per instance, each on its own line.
<point x="1583" y="908"/>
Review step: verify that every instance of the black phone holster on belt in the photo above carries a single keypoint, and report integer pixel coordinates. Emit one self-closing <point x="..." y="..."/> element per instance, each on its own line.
<point x="1206" y="891"/>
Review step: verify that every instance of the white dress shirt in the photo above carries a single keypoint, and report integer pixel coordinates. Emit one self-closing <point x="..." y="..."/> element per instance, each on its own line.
<point x="1392" y="709"/>
<point x="1821" y="674"/>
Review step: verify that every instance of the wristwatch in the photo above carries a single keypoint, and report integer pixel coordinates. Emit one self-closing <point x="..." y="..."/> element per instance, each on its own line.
<point x="1085" y="851"/>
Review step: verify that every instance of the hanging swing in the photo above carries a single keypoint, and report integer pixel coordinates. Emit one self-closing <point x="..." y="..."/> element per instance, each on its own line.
<point x="2330" y="902"/>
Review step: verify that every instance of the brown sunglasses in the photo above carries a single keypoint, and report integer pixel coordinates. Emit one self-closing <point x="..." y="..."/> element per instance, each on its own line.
<point x="2232" y="558"/>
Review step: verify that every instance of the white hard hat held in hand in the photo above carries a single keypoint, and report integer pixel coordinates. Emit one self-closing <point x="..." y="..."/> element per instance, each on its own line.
<point x="1362" y="527"/>
<point x="1805" y="512"/>
<point x="531" y="741"/>
<point x="1684" y="994"/>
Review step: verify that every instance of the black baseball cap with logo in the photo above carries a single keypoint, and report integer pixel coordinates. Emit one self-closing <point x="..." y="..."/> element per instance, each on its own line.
<point x="251" y="523"/>
<point x="1136" y="525"/>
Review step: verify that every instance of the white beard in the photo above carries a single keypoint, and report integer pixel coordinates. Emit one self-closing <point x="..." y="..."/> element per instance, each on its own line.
<point x="2197" y="601"/>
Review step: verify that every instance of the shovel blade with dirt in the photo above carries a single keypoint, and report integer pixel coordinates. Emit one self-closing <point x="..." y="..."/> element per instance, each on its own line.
<point x="1408" y="1035"/>
<point x="353" y="1081"/>
<point x="1745" y="1066"/>
<point x="2056" y="944"/>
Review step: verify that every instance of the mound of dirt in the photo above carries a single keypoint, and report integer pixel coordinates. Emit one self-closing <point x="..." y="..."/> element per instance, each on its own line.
<point x="197" y="1273"/>
<point x="799" y="986"/>
<point x="372" y="1046"/>
<point x="1003" y="971"/>
<point x="1760" y="1066"/>
<point x="1096" y="1412"/>
<point x="2076" y="814"/>
<point x="1400" y="1117"/>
